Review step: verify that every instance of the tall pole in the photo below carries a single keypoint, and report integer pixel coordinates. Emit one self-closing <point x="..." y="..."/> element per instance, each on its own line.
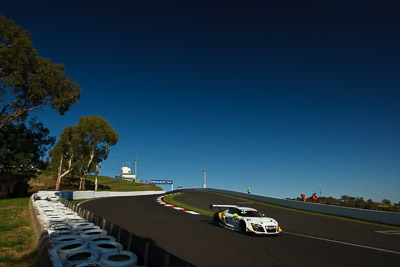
<point x="136" y="168"/>
<point x="205" y="179"/>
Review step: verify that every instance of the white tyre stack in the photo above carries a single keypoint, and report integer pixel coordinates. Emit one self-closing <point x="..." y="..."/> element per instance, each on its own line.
<point x="82" y="256"/>
<point x="106" y="246"/>
<point x="75" y="241"/>
<point x="119" y="259"/>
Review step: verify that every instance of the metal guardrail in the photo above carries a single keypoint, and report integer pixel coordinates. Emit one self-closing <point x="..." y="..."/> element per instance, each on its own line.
<point x="92" y="194"/>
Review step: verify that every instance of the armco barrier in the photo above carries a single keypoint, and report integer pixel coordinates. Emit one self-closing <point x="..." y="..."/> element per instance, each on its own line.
<point x="146" y="250"/>
<point x="92" y="194"/>
<point x="389" y="218"/>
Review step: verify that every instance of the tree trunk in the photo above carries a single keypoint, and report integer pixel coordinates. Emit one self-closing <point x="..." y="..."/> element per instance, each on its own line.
<point x="87" y="169"/>
<point x="59" y="174"/>
<point x="83" y="179"/>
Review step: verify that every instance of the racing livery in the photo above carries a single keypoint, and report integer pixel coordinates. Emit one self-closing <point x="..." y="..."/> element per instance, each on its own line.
<point x="245" y="220"/>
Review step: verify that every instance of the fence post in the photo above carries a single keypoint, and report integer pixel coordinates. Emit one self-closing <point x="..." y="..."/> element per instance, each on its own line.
<point x="119" y="234"/>
<point x="104" y="224"/>
<point x="128" y="247"/>
<point x="166" y="260"/>
<point x="110" y="228"/>
<point x="146" y="254"/>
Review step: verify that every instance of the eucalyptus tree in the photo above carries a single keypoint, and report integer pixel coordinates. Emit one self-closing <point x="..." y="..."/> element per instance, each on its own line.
<point x="67" y="153"/>
<point x="99" y="136"/>
<point x="81" y="148"/>
<point x="27" y="81"/>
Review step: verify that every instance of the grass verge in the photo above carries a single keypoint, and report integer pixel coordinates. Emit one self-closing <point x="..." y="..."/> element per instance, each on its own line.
<point x="17" y="241"/>
<point x="47" y="181"/>
<point x="170" y="199"/>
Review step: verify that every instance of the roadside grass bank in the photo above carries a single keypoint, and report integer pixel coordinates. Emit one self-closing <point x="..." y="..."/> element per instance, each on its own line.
<point x="17" y="241"/>
<point x="170" y="200"/>
<point x="47" y="181"/>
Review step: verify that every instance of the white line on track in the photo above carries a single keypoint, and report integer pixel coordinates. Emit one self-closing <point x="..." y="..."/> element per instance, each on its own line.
<point x="344" y="243"/>
<point x="389" y="232"/>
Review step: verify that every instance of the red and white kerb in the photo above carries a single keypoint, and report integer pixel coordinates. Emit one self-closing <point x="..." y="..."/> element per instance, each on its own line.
<point x="161" y="201"/>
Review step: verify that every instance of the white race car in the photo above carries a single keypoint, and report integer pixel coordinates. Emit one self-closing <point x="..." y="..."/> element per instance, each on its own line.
<point x="245" y="220"/>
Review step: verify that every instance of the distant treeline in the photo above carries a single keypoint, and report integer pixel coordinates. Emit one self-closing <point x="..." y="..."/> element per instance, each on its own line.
<point x="357" y="202"/>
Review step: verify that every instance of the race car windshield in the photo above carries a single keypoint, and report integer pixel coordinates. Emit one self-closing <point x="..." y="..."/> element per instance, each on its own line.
<point x="251" y="213"/>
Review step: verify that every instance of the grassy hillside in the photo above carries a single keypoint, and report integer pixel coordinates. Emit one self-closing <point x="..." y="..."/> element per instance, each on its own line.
<point x="48" y="182"/>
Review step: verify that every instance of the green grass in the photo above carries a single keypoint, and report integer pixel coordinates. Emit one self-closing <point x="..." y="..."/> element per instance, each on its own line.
<point x="47" y="182"/>
<point x="17" y="242"/>
<point x="170" y="199"/>
<point x="111" y="184"/>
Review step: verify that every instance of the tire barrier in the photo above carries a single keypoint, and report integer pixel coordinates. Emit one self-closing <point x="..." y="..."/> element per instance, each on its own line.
<point x="70" y="247"/>
<point x="90" y="264"/>
<point x="76" y="237"/>
<point x="81" y="224"/>
<point x="101" y="238"/>
<point x="81" y="256"/>
<point x="58" y="240"/>
<point x="53" y="234"/>
<point x="105" y="246"/>
<point x="60" y="227"/>
<point x="119" y="259"/>
<point x="87" y="228"/>
<point x="70" y="235"/>
<point x="90" y="233"/>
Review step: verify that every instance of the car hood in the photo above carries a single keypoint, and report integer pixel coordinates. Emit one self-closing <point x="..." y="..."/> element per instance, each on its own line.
<point x="262" y="220"/>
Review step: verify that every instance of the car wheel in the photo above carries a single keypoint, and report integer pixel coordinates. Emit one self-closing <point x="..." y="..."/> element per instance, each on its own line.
<point x="216" y="219"/>
<point x="242" y="227"/>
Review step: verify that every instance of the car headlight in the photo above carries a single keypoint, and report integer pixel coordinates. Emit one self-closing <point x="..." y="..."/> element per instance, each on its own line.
<point x="257" y="227"/>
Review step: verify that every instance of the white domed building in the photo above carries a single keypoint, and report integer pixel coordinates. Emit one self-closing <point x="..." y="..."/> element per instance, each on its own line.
<point x="126" y="174"/>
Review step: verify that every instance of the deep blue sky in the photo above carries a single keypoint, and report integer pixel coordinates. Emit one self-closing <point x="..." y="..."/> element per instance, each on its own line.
<point x="283" y="97"/>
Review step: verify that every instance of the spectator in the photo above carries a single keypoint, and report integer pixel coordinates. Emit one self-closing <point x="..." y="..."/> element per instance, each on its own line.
<point x="314" y="197"/>
<point x="303" y="197"/>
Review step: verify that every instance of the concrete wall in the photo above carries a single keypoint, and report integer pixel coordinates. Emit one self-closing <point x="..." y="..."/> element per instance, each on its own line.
<point x="92" y="194"/>
<point x="390" y="218"/>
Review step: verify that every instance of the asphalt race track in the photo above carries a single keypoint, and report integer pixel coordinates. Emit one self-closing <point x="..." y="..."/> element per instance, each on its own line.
<point x="308" y="240"/>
